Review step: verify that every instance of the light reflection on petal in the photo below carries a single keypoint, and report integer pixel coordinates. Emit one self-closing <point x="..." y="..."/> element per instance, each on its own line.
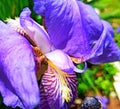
<point x="36" y="32"/>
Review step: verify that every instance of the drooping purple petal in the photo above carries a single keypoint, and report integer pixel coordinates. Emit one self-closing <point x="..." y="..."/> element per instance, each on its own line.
<point x="64" y="24"/>
<point x="36" y="32"/>
<point x="50" y="90"/>
<point x="105" y="49"/>
<point x="17" y="70"/>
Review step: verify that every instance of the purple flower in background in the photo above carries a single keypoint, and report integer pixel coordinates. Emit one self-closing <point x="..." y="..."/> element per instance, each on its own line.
<point x="118" y="29"/>
<point x="74" y="34"/>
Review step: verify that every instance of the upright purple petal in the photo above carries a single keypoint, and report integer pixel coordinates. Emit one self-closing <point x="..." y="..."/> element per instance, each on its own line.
<point x="17" y="70"/>
<point x="75" y="28"/>
<point x="105" y="49"/>
<point x="36" y="32"/>
<point x="91" y="22"/>
<point x="65" y="26"/>
<point x="118" y="29"/>
<point x="39" y="6"/>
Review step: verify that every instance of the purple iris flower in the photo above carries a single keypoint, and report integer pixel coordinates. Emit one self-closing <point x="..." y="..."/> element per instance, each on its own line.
<point x="74" y="34"/>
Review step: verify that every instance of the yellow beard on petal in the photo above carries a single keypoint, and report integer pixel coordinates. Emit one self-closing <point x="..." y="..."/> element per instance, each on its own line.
<point x="65" y="91"/>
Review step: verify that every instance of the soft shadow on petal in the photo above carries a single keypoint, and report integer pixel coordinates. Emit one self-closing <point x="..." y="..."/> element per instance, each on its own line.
<point x="17" y="68"/>
<point x="51" y="90"/>
<point x="65" y="26"/>
<point x="105" y="49"/>
<point x="36" y="32"/>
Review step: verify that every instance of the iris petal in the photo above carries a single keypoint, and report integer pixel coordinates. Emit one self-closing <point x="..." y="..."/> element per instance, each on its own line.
<point x="17" y="67"/>
<point x="105" y="49"/>
<point x="36" y="32"/>
<point x="91" y="22"/>
<point x="9" y="98"/>
<point x="51" y="90"/>
<point x="65" y="27"/>
<point x="73" y="29"/>
<point x="39" y="6"/>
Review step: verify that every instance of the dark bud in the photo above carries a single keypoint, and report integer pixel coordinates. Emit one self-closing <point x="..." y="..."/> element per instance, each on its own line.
<point x="91" y="103"/>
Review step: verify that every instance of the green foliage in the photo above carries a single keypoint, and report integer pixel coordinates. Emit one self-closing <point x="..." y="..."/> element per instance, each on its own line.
<point x="108" y="9"/>
<point x="97" y="79"/>
<point x="117" y="38"/>
<point x="12" y="9"/>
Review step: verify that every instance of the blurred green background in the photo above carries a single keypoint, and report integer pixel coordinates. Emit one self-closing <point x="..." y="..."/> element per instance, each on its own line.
<point x="96" y="78"/>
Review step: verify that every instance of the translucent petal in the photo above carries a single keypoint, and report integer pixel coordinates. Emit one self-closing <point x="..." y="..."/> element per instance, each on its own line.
<point x="36" y="32"/>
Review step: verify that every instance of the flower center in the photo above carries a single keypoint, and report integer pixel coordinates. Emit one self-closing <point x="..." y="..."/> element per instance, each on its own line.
<point x="42" y="63"/>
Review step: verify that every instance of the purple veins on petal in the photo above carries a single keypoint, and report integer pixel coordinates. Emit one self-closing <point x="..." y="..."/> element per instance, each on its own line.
<point x="104" y="101"/>
<point x="17" y="68"/>
<point x="39" y="6"/>
<point x="51" y="89"/>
